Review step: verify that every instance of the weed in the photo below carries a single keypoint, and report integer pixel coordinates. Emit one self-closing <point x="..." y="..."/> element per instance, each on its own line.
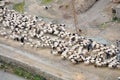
<point x="19" y="7"/>
<point x="20" y="71"/>
<point x="46" y="1"/>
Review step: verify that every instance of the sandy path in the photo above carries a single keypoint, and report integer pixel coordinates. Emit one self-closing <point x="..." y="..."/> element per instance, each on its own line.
<point x="57" y="66"/>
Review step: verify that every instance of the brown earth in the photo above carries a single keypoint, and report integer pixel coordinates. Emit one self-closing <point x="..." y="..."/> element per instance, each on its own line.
<point x="54" y="64"/>
<point x="95" y="22"/>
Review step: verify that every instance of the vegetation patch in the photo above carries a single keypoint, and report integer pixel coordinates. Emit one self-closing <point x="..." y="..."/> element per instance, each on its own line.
<point x="46" y="1"/>
<point x="19" y="71"/>
<point x="19" y="7"/>
<point x="115" y="19"/>
<point x="103" y="25"/>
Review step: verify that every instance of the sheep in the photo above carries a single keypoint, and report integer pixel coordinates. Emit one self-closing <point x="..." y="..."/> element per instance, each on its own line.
<point x="98" y="64"/>
<point x="1" y="14"/>
<point x="22" y="40"/>
<point x="80" y="58"/>
<point x="94" y="43"/>
<point x="73" y="61"/>
<point x="49" y="30"/>
<point x="73" y="39"/>
<point x="118" y="78"/>
<point x="3" y="33"/>
<point x="61" y="27"/>
<point x="118" y="43"/>
<point x="1" y="10"/>
<point x="54" y="52"/>
<point x="46" y="7"/>
<point x="74" y="47"/>
<point x="112" y="65"/>
<point x="1" y="19"/>
<point x="85" y="52"/>
<point x="118" y="66"/>
<point x="87" y="62"/>
<point x="101" y="53"/>
<point x="80" y="49"/>
<point x="61" y="35"/>
<point x="64" y="54"/>
<point x="96" y="51"/>
<point x="77" y="57"/>
<point x="55" y="43"/>
<point x="113" y="46"/>
<point x="33" y="31"/>
<point x="92" y="60"/>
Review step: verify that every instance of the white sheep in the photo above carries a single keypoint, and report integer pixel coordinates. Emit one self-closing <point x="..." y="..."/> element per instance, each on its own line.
<point x="54" y="52"/>
<point x="98" y="64"/>
<point x="118" y="66"/>
<point x="87" y="62"/>
<point x="80" y="49"/>
<point x="30" y="29"/>
<point x="64" y="54"/>
<point x="1" y="10"/>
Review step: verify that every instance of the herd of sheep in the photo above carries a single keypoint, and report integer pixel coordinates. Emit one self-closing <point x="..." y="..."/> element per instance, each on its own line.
<point x="37" y="33"/>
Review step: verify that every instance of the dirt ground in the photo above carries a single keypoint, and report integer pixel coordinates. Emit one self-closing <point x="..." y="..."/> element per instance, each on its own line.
<point x="60" y="67"/>
<point x="95" y="23"/>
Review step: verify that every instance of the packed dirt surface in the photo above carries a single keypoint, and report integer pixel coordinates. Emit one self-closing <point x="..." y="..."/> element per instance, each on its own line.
<point x="53" y="64"/>
<point x="56" y="8"/>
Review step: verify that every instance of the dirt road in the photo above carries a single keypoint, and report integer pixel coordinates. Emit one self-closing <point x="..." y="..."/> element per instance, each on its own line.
<point x="43" y="60"/>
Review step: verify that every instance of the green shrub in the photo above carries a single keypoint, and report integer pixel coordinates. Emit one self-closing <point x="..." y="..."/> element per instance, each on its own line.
<point x="36" y="77"/>
<point x="19" y="71"/>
